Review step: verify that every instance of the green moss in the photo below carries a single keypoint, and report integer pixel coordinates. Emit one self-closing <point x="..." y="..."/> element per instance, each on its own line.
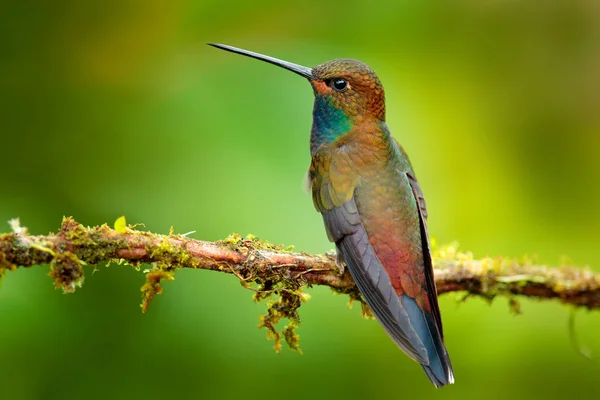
<point x="291" y="337"/>
<point x="4" y="263"/>
<point x="162" y="251"/>
<point x="284" y="306"/>
<point x="67" y="271"/>
<point x="251" y="242"/>
<point x="153" y="285"/>
<point x="169" y="254"/>
<point x="514" y="306"/>
<point x="95" y="244"/>
<point x="231" y="241"/>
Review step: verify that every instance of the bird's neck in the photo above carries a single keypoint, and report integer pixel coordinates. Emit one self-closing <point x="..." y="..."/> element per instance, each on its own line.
<point x="329" y="123"/>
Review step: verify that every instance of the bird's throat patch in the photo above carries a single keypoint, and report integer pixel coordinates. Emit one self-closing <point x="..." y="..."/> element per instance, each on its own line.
<point x="329" y="122"/>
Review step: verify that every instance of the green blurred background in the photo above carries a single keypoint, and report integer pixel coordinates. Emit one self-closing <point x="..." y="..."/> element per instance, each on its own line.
<point x="119" y="108"/>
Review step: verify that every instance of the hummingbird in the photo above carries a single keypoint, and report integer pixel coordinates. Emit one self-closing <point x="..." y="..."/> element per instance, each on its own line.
<point x="364" y="186"/>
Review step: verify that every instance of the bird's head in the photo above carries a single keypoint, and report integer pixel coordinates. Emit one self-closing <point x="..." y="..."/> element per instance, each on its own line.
<point x="340" y="85"/>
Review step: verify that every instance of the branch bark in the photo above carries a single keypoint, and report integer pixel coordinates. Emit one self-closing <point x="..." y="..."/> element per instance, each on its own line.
<point x="253" y="260"/>
<point x="272" y="270"/>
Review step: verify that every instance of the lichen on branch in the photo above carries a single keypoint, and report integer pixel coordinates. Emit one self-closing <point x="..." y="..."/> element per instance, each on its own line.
<point x="276" y="274"/>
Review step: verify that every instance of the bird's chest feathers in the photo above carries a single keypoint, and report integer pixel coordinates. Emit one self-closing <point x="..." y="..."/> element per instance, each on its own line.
<point x="337" y="168"/>
<point x="363" y="148"/>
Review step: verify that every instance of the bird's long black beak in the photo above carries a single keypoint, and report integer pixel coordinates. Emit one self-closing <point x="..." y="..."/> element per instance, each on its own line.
<point x="299" y="69"/>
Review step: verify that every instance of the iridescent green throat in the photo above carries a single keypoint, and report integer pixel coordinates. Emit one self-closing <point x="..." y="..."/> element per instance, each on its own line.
<point x="329" y="123"/>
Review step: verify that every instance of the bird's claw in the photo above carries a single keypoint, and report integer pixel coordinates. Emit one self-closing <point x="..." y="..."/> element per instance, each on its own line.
<point x="340" y="263"/>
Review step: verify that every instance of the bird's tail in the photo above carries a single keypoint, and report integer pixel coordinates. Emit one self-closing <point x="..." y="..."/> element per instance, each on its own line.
<point x="439" y="369"/>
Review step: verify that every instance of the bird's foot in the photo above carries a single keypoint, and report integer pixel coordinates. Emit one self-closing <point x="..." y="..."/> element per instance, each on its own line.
<point x="340" y="263"/>
<point x="339" y="260"/>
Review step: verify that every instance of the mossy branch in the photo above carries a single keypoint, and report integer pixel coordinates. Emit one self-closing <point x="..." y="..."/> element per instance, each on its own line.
<point x="273" y="270"/>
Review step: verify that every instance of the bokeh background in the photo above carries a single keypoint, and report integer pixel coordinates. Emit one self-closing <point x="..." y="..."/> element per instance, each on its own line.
<point x="119" y="108"/>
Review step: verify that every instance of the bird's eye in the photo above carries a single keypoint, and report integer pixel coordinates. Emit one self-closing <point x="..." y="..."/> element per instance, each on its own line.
<point x="339" y="84"/>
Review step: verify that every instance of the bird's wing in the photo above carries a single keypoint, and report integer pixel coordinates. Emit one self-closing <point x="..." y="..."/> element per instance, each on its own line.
<point x="427" y="261"/>
<point x="334" y="183"/>
<point x="439" y="369"/>
<point x="418" y="195"/>
<point x="413" y="179"/>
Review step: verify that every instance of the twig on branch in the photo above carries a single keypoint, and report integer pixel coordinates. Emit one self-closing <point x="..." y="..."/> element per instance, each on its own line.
<point x="270" y="269"/>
